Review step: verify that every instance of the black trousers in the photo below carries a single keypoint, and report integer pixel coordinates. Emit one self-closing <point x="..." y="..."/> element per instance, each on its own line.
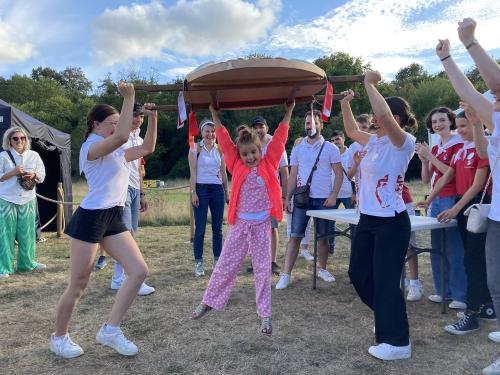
<point x="474" y="261"/>
<point x="377" y="259"/>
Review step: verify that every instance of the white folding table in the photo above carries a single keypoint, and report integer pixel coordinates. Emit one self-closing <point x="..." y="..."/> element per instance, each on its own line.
<point x="418" y="223"/>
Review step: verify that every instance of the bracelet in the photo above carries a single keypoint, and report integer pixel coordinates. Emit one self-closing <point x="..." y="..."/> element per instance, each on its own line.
<point x="447" y="57"/>
<point x="474" y="41"/>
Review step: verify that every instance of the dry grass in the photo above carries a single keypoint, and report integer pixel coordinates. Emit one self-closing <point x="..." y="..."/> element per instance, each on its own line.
<point x="326" y="331"/>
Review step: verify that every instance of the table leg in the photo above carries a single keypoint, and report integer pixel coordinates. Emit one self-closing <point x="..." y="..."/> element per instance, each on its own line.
<point x="315" y="253"/>
<point x="443" y="271"/>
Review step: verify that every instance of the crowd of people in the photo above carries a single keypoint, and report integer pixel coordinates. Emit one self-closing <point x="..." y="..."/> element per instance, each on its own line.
<point x="462" y="169"/>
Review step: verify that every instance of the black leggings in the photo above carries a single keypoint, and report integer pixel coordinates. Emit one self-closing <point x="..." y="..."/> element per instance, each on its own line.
<point x="377" y="259"/>
<point x="474" y="260"/>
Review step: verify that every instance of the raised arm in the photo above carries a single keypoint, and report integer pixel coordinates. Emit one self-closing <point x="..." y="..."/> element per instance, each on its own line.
<point x="488" y="67"/>
<point x="350" y="125"/>
<point x="381" y="110"/>
<point x="123" y="128"/>
<point x="461" y="83"/>
<point x="149" y="144"/>
<point x="277" y="145"/>
<point x="480" y="140"/>
<point x="227" y="145"/>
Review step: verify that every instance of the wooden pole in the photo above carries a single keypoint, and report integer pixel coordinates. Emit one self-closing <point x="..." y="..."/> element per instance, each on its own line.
<point x="60" y="209"/>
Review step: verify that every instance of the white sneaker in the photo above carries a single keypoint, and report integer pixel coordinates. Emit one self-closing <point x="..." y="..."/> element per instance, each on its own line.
<point x="116" y="283"/>
<point x="117" y="341"/>
<point x="283" y="282"/>
<point x="40" y="267"/>
<point x="457" y="305"/>
<point x="388" y="352"/>
<point x="65" y="347"/>
<point x="326" y="276"/>
<point x="494" y="336"/>
<point x="145" y="290"/>
<point x="304" y="253"/>
<point x="493" y="369"/>
<point x="198" y="269"/>
<point x="414" y="293"/>
<point x="435" y="298"/>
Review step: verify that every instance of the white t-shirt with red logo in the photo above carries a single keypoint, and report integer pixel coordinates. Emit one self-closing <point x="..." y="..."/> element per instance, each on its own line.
<point x="494" y="157"/>
<point x="382" y="171"/>
<point x="304" y="155"/>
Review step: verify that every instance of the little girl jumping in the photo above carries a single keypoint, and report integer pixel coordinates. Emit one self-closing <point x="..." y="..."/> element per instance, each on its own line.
<point x="255" y="197"/>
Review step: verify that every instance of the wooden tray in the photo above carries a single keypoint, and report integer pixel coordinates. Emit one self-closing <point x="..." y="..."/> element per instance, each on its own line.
<point x="252" y="83"/>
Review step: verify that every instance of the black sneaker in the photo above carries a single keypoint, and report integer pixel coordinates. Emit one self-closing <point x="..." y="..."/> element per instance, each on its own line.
<point x="250" y="269"/>
<point x="469" y="323"/>
<point x="275" y="268"/>
<point x="487" y="312"/>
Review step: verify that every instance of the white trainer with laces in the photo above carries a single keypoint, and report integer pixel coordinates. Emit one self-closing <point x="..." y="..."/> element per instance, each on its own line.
<point x="388" y="352"/>
<point x="198" y="269"/>
<point x="414" y="293"/>
<point x="146" y="290"/>
<point x="64" y="347"/>
<point x="283" y="282"/>
<point x="304" y="253"/>
<point x="494" y="336"/>
<point x="117" y="341"/>
<point x="493" y="369"/>
<point x="326" y="276"/>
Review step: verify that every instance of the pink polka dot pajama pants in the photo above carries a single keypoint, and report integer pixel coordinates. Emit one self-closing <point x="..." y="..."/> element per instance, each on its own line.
<point x="244" y="237"/>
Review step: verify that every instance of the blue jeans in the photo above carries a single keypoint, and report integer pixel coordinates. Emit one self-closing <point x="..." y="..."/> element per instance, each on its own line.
<point x="300" y="219"/>
<point x="456" y="280"/>
<point x="209" y="196"/>
<point x="131" y="209"/>
<point x="346" y="202"/>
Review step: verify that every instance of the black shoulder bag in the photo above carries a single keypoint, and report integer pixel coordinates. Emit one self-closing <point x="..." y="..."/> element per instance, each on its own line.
<point x="26" y="183"/>
<point x="301" y="193"/>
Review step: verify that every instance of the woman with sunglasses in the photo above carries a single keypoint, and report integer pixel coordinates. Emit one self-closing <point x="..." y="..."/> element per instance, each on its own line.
<point x="18" y="205"/>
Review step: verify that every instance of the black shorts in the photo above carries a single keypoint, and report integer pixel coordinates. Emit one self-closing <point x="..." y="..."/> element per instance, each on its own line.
<point x="93" y="225"/>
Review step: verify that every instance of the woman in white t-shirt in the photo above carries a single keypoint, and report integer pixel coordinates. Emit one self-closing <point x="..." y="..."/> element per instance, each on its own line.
<point x="208" y="181"/>
<point x="383" y="232"/>
<point x="99" y="220"/>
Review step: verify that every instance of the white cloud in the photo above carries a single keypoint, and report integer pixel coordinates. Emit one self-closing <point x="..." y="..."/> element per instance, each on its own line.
<point x="13" y="45"/>
<point x="389" y="33"/>
<point x="188" y="28"/>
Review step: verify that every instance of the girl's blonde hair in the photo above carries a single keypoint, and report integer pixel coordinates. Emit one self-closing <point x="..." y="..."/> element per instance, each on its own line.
<point x="247" y="137"/>
<point x="8" y="134"/>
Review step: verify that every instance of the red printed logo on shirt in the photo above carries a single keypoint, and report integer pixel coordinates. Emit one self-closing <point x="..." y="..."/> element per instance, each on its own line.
<point x="382" y="192"/>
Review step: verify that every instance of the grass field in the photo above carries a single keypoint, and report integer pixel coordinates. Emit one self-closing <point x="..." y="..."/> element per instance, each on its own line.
<point x="325" y="331"/>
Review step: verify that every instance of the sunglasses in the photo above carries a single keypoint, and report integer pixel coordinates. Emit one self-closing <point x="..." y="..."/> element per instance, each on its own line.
<point x="16" y="139"/>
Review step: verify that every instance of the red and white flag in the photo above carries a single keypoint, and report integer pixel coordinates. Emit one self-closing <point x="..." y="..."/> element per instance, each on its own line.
<point x="193" y="129"/>
<point x="181" y="106"/>
<point x="327" y="102"/>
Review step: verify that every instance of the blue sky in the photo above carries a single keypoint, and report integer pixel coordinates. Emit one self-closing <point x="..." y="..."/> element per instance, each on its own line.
<point x="171" y="38"/>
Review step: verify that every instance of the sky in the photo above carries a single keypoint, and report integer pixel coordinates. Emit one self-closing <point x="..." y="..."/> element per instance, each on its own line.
<point x="171" y="38"/>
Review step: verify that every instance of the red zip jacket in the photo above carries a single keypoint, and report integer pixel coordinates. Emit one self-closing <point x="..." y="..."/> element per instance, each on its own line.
<point x="267" y="169"/>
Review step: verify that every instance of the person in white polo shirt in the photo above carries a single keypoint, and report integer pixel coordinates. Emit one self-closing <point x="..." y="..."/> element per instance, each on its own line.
<point x="322" y="194"/>
<point x="105" y="164"/>
<point x="382" y="236"/>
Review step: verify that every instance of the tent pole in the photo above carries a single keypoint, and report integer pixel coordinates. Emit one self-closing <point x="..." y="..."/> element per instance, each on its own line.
<point x="60" y="214"/>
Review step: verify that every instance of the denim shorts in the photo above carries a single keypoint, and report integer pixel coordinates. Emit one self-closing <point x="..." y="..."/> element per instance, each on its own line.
<point x="300" y="219"/>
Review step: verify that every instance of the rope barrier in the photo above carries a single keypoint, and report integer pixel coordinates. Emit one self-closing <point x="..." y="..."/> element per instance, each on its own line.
<point x="78" y="203"/>
<point x="48" y="222"/>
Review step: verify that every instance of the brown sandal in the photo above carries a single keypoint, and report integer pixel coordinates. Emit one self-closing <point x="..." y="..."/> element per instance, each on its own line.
<point x="199" y="311"/>
<point x="266" y="326"/>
